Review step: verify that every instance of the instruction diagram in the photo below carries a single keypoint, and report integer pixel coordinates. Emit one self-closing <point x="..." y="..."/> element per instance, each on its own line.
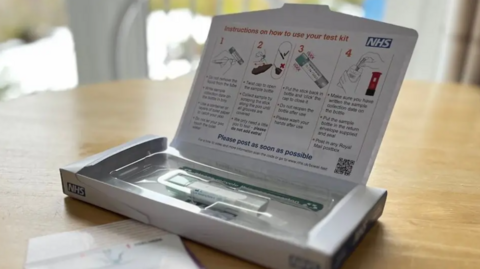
<point x="227" y="59"/>
<point x="279" y="64"/>
<point x="281" y="59"/>
<point x="261" y="64"/>
<point x="372" y="86"/>
<point x="350" y="78"/>
<point x="312" y="70"/>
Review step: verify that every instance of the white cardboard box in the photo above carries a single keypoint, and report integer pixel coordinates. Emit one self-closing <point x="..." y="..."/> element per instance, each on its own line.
<point x="280" y="132"/>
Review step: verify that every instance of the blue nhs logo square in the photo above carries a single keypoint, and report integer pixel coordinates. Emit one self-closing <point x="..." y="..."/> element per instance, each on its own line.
<point x="379" y="42"/>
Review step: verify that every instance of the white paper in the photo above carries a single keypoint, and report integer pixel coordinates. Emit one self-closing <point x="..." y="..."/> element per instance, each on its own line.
<point x="123" y="244"/>
<point x="307" y="98"/>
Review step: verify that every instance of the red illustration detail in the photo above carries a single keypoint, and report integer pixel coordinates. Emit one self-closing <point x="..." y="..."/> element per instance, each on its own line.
<point x="373" y="83"/>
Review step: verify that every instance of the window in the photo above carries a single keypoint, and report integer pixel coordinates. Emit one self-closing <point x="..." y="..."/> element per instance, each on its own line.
<point x="122" y="39"/>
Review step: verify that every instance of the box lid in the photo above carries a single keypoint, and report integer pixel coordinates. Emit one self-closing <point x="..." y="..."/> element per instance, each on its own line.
<point x="300" y="86"/>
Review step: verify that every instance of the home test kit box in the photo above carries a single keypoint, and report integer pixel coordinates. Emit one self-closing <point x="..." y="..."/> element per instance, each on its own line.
<point x="276" y="143"/>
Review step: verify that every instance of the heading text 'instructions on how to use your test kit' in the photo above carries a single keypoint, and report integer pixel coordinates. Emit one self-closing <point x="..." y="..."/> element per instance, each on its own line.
<point x="295" y="97"/>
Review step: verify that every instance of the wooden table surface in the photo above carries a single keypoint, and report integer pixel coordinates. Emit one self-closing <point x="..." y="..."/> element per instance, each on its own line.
<point x="429" y="161"/>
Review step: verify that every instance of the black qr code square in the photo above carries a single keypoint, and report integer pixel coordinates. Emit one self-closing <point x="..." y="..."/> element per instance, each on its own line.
<point x="344" y="166"/>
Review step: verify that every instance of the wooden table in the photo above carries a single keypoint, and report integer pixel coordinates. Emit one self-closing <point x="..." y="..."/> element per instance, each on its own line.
<point x="429" y="161"/>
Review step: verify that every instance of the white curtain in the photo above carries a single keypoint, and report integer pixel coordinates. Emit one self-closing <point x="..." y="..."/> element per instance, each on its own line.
<point x="461" y="47"/>
<point x="428" y="18"/>
<point x="448" y="47"/>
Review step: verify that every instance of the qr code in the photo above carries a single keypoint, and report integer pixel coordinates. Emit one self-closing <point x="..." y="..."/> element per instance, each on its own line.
<point x="344" y="166"/>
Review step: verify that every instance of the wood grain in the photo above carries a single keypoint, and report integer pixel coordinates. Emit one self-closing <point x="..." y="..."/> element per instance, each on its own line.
<point x="429" y="161"/>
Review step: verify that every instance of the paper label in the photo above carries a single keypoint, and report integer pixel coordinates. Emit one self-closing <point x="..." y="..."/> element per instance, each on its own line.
<point x="281" y="197"/>
<point x="207" y="191"/>
<point x="298" y="97"/>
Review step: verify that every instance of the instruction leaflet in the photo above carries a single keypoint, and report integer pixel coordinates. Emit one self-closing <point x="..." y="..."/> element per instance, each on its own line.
<point x="304" y="98"/>
<point x="123" y="244"/>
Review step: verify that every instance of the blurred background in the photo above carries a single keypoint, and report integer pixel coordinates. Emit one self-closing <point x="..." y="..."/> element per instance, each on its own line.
<point x="59" y="44"/>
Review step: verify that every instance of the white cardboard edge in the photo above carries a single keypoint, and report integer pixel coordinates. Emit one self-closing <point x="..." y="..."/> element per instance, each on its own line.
<point x="328" y="245"/>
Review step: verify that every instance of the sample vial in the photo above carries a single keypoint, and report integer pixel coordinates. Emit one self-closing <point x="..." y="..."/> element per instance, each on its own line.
<point x="236" y="56"/>
<point x="186" y="187"/>
<point x="372" y="86"/>
<point x="309" y="67"/>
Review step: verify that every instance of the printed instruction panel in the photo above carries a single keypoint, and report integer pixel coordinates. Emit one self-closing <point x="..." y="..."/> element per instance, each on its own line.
<point x="299" y="98"/>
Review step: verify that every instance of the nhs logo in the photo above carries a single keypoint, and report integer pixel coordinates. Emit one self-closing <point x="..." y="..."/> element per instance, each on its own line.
<point x="379" y="42"/>
<point x="76" y="189"/>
